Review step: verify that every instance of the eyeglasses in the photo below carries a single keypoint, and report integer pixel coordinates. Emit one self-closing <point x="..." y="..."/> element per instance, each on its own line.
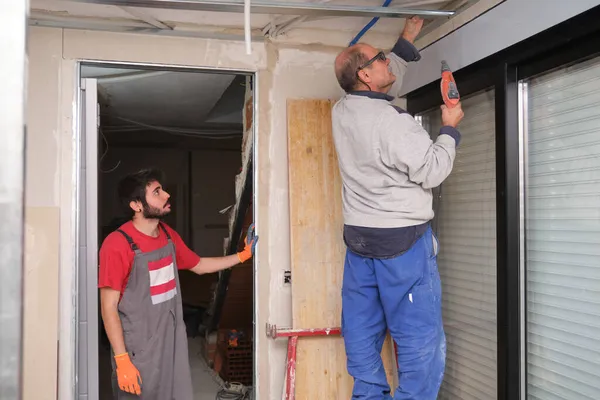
<point x="379" y="56"/>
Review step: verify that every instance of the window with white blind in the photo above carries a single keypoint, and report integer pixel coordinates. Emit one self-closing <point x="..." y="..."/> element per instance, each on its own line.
<point x="562" y="232"/>
<point x="465" y="223"/>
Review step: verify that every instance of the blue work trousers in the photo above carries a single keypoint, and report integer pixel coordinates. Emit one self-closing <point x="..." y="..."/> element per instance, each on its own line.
<point x="402" y="295"/>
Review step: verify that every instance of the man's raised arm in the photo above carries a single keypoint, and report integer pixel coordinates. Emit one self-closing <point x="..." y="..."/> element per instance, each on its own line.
<point x="404" y="52"/>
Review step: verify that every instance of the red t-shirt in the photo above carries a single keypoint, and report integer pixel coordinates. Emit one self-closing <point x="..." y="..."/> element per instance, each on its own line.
<point x="116" y="256"/>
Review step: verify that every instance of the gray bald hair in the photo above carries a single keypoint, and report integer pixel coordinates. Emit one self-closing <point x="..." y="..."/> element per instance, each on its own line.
<point x="346" y="72"/>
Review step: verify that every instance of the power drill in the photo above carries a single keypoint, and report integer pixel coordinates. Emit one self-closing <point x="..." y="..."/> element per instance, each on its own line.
<point x="450" y="93"/>
<point x="451" y="98"/>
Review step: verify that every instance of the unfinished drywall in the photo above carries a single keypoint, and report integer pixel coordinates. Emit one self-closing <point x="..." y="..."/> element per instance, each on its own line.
<point x="42" y="201"/>
<point x="40" y="315"/>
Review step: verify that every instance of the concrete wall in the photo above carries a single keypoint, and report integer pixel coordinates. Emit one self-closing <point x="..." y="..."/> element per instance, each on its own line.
<point x="49" y="282"/>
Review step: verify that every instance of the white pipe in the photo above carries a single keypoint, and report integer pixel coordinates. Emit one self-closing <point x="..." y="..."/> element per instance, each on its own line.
<point x="247" y="26"/>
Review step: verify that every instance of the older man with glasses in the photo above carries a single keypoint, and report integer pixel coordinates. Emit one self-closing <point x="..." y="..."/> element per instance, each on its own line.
<point x="389" y="165"/>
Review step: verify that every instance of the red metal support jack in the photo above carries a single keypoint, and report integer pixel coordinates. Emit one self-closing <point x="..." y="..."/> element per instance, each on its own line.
<point x="293" y="335"/>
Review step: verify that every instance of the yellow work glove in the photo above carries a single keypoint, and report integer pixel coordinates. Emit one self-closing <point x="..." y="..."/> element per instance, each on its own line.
<point x="250" y="242"/>
<point x="128" y="375"/>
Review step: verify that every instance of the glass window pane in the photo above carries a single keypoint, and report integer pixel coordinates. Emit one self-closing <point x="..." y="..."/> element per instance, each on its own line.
<point x="563" y="233"/>
<point x="465" y="223"/>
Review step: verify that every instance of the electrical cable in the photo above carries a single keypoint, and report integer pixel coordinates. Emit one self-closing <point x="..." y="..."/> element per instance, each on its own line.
<point x="227" y="394"/>
<point x="368" y="26"/>
<point x="104" y="155"/>
<point x="175" y="131"/>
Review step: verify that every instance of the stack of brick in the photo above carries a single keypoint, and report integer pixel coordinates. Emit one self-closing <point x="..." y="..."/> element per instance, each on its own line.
<point x="235" y="353"/>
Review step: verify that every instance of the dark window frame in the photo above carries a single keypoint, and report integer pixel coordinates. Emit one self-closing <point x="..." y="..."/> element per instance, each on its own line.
<point x="569" y="42"/>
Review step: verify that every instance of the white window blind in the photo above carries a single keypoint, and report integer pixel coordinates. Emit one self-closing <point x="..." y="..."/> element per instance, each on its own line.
<point x="466" y="227"/>
<point x="563" y="233"/>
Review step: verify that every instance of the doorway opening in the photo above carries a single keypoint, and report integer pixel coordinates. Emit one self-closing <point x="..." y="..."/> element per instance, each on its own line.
<point x="197" y="127"/>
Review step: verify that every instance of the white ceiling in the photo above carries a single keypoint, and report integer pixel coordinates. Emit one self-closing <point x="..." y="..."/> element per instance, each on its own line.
<point x="343" y="29"/>
<point x="134" y="102"/>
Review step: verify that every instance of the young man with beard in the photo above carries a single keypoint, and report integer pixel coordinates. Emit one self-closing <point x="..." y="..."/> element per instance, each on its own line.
<point x="140" y="294"/>
<point x="389" y="165"/>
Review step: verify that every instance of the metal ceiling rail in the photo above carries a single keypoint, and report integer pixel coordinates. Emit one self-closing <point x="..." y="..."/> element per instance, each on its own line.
<point x="87" y="24"/>
<point x="275" y="7"/>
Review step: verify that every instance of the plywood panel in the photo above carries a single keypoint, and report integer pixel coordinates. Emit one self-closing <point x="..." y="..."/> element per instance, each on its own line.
<point x="317" y="252"/>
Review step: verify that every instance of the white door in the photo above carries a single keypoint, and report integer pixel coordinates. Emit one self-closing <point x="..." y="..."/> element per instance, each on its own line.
<point x="87" y="317"/>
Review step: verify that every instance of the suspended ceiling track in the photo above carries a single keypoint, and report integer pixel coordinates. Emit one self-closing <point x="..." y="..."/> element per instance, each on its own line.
<point x="103" y="25"/>
<point x="275" y="7"/>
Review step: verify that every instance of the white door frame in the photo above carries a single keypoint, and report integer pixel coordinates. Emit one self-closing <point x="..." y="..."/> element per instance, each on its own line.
<point x="85" y="165"/>
<point x="86" y="327"/>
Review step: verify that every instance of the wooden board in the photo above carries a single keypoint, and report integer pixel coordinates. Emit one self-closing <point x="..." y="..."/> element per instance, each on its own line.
<point x="317" y="252"/>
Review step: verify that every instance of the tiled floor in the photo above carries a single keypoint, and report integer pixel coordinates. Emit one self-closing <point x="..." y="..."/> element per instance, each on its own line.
<point x="204" y="378"/>
<point x="205" y="386"/>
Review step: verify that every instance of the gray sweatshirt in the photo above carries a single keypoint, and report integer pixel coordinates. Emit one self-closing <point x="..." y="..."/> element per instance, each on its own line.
<point x="388" y="163"/>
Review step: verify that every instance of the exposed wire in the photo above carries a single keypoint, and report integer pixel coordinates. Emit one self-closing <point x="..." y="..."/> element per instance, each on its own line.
<point x="368" y="26"/>
<point x="176" y="131"/>
<point x="282" y="24"/>
<point x="104" y="154"/>
<point x="286" y="26"/>
<point x="231" y="394"/>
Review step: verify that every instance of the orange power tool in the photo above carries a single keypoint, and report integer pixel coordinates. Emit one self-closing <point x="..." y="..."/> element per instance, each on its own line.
<point x="448" y="86"/>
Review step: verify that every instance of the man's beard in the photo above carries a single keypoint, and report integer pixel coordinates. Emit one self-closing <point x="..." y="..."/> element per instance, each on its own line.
<point x="154" y="212"/>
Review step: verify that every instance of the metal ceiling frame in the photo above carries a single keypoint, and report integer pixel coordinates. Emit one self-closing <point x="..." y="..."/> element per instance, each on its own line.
<point x="107" y="25"/>
<point x="275" y="7"/>
<point x="459" y="6"/>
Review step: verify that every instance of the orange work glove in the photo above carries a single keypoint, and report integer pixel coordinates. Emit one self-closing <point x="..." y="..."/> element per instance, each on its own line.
<point x="250" y="242"/>
<point x="128" y="375"/>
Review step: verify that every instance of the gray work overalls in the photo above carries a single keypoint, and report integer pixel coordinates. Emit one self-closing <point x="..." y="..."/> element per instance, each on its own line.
<point x="153" y="328"/>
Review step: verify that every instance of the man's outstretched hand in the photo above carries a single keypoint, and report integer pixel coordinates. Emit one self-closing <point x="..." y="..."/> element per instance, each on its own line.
<point x="412" y="27"/>
<point x="250" y="242"/>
